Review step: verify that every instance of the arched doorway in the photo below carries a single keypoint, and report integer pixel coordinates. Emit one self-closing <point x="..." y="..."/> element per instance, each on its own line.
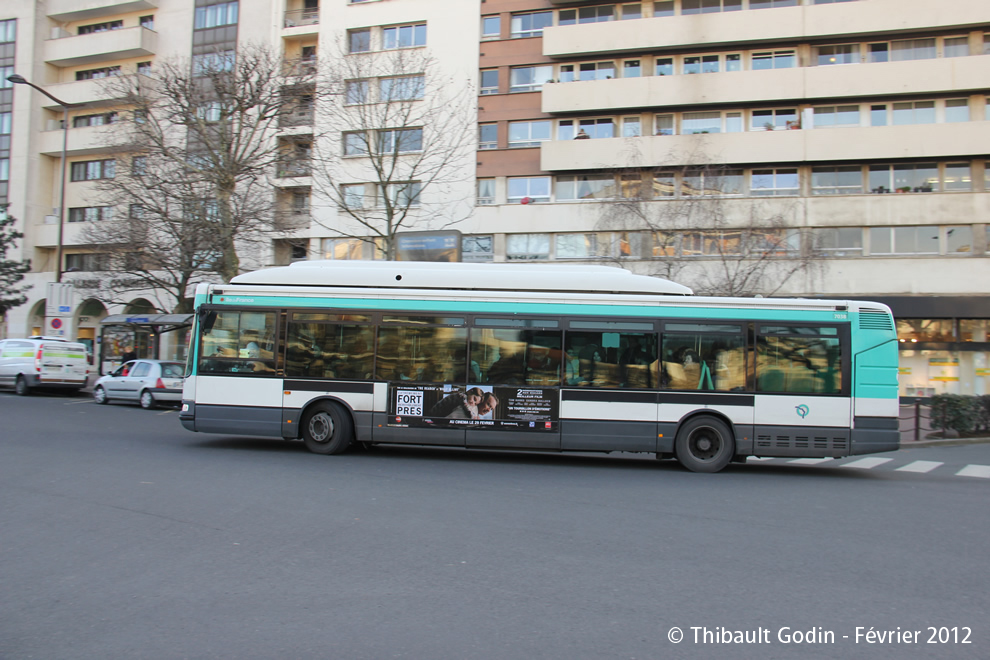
<point x="36" y="319"/>
<point x="88" y="317"/>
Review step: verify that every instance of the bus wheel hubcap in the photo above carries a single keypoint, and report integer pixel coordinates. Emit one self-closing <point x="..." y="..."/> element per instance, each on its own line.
<point x="321" y="427"/>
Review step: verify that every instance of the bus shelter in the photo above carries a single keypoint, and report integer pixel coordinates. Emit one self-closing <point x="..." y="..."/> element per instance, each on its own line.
<point x="151" y="336"/>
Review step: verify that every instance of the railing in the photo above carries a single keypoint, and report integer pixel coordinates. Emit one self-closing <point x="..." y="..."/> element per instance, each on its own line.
<point x="297" y="17"/>
<point x="915" y="420"/>
<point x="294" y="168"/>
<point x="298" y="117"/>
<point x="299" y="67"/>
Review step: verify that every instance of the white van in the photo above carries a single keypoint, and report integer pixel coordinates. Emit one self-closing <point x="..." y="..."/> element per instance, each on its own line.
<point x="48" y="362"/>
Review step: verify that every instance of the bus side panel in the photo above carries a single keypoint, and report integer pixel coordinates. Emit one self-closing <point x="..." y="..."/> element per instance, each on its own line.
<point x="237" y="405"/>
<point x="589" y="425"/>
<point x="876" y="404"/>
<point x="802" y="425"/>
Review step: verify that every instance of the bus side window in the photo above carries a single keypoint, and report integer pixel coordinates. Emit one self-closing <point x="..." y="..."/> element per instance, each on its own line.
<point x="704" y="357"/>
<point x="509" y="356"/>
<point x="800" y="359"/>
<point x="611" y="359"/>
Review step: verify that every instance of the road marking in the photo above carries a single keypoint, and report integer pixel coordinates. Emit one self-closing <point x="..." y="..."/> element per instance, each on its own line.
<point x="867" y="463"/>
<point x="810" y="461"/>
<point x="76" y="403"/>
<point x="981" y="471"/>
<point x="920" y="466"/>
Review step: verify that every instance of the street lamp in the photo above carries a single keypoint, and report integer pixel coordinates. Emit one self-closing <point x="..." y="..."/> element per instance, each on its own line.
<point x="21" y="80"/>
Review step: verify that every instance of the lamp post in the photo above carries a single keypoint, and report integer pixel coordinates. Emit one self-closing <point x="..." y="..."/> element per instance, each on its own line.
<point x="21" y="80"/>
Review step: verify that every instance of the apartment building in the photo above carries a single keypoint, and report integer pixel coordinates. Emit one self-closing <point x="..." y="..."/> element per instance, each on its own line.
<point x="850" y="137"/>
<point x="856" y="132"/>
<point x="69" y="49"/>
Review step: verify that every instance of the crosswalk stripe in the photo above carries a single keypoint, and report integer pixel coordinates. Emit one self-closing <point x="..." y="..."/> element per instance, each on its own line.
<point x="867" y="463"/>
<point x="981" y="471"/>
<point x="809" y="461"/>
<point x="920" y="466"/>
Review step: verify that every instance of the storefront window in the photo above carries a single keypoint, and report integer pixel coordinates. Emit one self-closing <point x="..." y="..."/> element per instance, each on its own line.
<point x="973" y="329"/>
<point x="915" y="330"/>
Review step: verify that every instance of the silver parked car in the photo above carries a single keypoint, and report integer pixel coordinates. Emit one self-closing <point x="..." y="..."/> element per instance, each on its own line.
<point x="148" y="382"/>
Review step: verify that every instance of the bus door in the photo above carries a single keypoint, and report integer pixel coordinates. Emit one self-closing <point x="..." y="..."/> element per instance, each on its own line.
<point x="515" y="373"/>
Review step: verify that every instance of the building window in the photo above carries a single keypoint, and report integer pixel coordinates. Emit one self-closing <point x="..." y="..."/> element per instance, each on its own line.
<point x="4" y="173"/>
<point x="144" y="68"/>
<point x="355" y="143"/>
<point x="487" y="136"/>
<point x="631" y="127"/>
<point x="836" y="115"/>
<point x="712" y="183"/>
<point x="404" y="36"/>
<point x="693" y="123"/>
<point x="959" y="240"/>
<point x="663" y="8"/>
<point x="526" y="189"/>
<point x="632" y="11"/>
<point x="528" y="247"/>
<point x="491" y="27"/>
<point x="781" y="59"/>
<point x="769" y="120"/>
<point x="401" y="195"/>
<point x="147" y="22"/>
<point x="956" y="110"/>
<point x="665" y="66"/>
<point x="486" y="192"/>
<point x="8" y="31"/>
<point x="733" y="62"/>
<point x="528" y="133"/>
<point x="93" y="74"/>
<point x="914" y="112"/>
<point x="400" y="141"/>
<point x="664" y="125"/>
<point x="224" y="13"/>
<point x="139" y="165"/>
<point x="100" y="27"/>
<point x="489" y="81"/>
<point x="631" y="69"/>
<point x="767" y="4"/>
<point x="529" y="78"/>
<point x="912" y="49"/>
<point x="843" y="180"/>
<point x="774" y="182"/>
<point x="90" y="213"/>
<point x="585" y="186"/>
<point x="81" y="121"/>
<point x="586" y="129"/>
<point x="359" y="41"/>
<point x="957" y="178"/>
<point x="904" y="178"/>
<point x="85" y="262"/>
<point x="710" y="6"/>
<point x="600" y="14"/>
<point x="955" y="47"/>
<point x="841" y="241"/>
<point x="352" y="194"/>
<point x="478" y="248"/>
<point x="903" y="240"/>
<point x="409" y="88"/>
<point x="343" y="248"/>
<point x="701" y="64"/>
<point x="734" y="122"/>
<point x="208" y="63"/>
<point x="844" y="54"/>
<point x="92" y="170"/>
<point x="587" y="71"/>
<point x="356" y="91"/>
<point x="577" y="246"/>
<point x="5" y="123"/>
<point x="530" y="25"/>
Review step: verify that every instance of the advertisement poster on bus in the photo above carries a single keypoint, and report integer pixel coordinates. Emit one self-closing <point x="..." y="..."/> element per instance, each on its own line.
<point x="475" y="406"/>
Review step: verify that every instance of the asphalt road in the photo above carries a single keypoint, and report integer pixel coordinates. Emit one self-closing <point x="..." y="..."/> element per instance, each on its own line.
<point x="124" y="536"/>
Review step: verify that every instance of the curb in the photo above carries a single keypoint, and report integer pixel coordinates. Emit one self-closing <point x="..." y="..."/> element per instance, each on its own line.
<point x="947" y="442"/>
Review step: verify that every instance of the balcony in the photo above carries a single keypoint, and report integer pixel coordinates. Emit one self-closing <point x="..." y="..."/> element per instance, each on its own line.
<point x="293" y="169"/>
<point x="821" y="82"/>
<point x="822" y="145"/>
<point x="92" y="92"/>
<point x="301" y="17"/>
<point x="299" y="67"/>
<point x="854" y="20"/>
<point x="83" y="141"/>
<point x="101" y="47"/>
<point x="65" y="11"/>
<point x="45" y="233"/>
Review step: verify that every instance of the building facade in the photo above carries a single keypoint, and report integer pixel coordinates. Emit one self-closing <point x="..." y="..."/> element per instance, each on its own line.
<point x="776" y="147"/>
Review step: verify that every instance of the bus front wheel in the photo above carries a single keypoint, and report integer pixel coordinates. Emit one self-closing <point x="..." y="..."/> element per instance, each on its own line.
<point x="327" y="429"/>
<point x="705" y="444"/>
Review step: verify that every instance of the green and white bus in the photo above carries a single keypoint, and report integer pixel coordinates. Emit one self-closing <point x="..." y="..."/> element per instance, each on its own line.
<point x="537" y="357"/>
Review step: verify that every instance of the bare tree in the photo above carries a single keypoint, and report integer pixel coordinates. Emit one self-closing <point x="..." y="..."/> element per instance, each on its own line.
<point x="197" y="199"/>
<point x="403" y="157"/>
<point x="704" y="238"/>
<point x="11" y="271"/>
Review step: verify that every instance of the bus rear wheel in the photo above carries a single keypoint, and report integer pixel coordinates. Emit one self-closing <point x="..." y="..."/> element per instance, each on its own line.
<point x="704" y="444"/>
<point x="327" y="429"/>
